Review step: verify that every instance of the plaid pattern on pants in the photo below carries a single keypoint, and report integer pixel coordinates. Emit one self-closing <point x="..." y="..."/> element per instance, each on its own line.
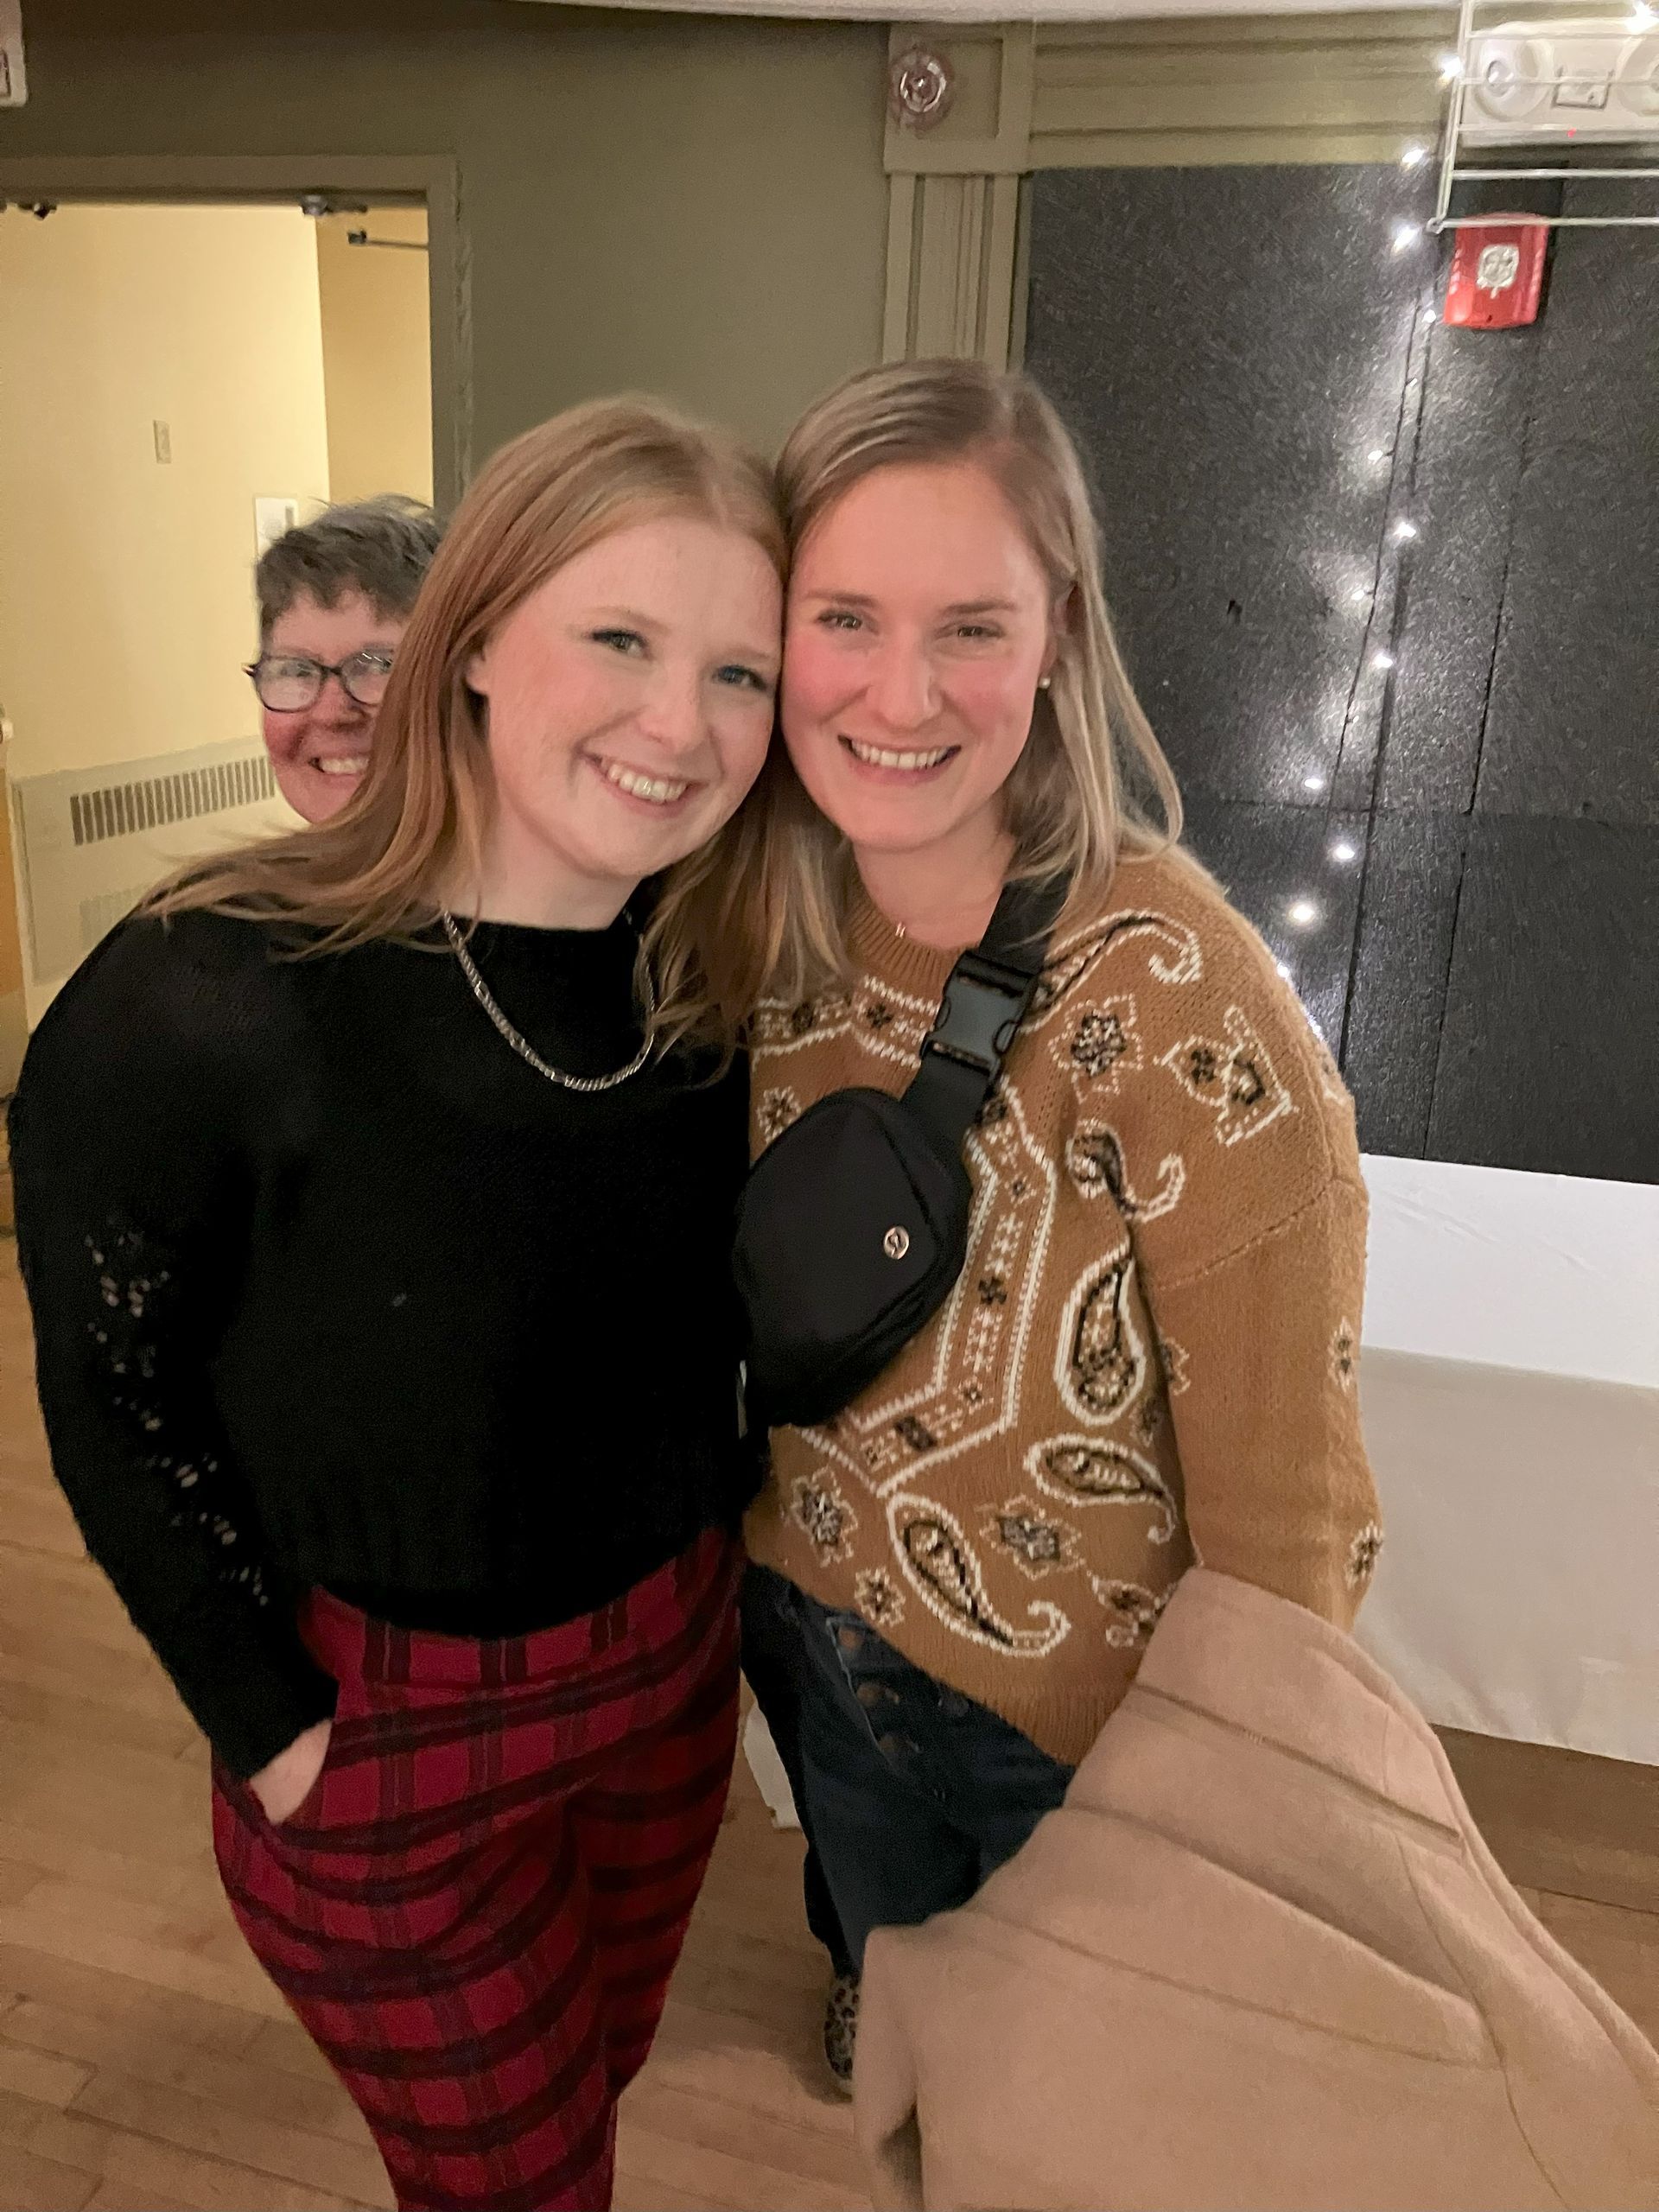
<point x="476" y="1911"/>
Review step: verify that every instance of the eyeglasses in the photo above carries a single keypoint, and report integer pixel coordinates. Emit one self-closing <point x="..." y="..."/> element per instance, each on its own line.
<point x="288" y="683"/>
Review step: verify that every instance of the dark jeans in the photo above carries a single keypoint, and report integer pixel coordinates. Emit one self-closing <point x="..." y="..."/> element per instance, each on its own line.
<point x="910" y="1794"/>
<point x="772" y="1666"/>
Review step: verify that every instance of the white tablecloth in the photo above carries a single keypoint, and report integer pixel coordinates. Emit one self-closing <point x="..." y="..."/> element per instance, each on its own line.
<point x="1510" y="1391"/>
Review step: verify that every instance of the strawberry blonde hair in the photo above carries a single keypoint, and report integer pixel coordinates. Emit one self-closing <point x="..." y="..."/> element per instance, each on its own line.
<point x="373" y="871"/>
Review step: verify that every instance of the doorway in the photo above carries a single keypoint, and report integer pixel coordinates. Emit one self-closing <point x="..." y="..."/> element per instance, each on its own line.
<point x="189" y="370"/>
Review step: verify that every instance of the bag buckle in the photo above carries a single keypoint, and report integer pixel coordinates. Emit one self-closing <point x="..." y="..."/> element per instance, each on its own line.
<point x="982" y="1007"/>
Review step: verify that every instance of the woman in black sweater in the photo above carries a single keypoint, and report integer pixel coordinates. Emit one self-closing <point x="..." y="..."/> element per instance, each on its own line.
<point x="376" y="1241"/>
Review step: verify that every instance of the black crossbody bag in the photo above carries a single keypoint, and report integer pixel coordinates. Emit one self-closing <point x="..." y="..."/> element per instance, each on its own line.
<point x="853" y="1226"/>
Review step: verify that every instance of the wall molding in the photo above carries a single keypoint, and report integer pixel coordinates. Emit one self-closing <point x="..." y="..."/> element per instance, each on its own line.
<point x="952" y="251"/>
<point x="1170" y="92"/>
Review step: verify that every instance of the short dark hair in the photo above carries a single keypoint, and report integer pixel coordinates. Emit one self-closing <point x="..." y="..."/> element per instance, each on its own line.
<point x="382" y="547"/>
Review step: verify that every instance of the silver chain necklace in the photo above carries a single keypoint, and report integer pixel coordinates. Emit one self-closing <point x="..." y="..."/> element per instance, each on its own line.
<point x="520" y="1044"/>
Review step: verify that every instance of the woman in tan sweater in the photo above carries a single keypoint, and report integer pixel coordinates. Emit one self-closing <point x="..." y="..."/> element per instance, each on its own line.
<point x="1150" y="1357"/>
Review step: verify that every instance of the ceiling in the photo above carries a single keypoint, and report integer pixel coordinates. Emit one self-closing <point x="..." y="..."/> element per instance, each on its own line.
<point x="1000" y="11"/>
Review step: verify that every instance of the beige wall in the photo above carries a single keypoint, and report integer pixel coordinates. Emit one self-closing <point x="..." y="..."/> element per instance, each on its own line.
<point x="690" y="204"/>
<point x="376" y="354"/>
<point x="125" y="607"/>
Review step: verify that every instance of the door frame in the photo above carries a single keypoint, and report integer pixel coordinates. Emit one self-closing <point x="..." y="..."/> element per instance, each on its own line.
<point x="282" y="179"/>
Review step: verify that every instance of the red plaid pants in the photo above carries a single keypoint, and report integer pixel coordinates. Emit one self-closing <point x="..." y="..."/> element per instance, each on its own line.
<point x="476" y="1911"/>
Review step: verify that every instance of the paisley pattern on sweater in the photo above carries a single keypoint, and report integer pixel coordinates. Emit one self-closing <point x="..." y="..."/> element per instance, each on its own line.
<point x="1148" y="1355"/>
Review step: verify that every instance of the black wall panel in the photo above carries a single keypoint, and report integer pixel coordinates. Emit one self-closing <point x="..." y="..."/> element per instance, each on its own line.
<point x="1571" y="729"/>
<point x="1549" y="1052"/>
<point x="1462" y="498"/>
<point x="1233" y="385"/>
<point x="1414" y="872"/>
<point x="1455" y="856"/>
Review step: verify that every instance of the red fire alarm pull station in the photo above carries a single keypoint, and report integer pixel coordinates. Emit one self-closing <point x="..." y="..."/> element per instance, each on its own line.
<point x="1497" y="274"/>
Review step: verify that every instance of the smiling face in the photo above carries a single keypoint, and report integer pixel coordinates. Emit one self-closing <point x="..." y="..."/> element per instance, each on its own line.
<point x="919" y="626"/>
<point x="630" y="703"/>
<point x="319" y="753"/>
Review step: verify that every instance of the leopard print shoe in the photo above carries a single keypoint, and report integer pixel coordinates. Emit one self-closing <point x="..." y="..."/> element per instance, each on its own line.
<point x="841" y="2030"/>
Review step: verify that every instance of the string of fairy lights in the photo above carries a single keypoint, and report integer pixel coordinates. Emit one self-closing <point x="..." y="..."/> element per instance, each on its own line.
<point x="1304" y="909"/>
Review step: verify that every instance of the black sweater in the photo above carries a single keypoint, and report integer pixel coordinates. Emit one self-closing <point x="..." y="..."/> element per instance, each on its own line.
<point x="330" y="1288"/>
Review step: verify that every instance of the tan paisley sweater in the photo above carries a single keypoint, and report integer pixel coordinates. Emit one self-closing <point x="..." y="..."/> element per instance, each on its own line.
<point x="1150" y="1356"/>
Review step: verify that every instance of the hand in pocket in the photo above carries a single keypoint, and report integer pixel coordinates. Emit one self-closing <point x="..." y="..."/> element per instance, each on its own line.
<point x="283" y="1785"/>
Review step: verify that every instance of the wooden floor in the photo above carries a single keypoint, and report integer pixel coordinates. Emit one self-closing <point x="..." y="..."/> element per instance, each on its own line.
<point x="145" y="2062"/>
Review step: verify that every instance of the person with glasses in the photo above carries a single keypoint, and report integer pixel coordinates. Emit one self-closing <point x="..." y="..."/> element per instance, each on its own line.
<point x="335" y="595"/>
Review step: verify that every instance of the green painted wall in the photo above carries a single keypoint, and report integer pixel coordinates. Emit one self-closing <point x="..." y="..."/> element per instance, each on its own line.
<point x="688" y="205"/>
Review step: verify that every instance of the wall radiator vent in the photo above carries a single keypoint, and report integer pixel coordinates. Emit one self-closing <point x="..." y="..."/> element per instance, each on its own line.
<point x="121" y="810"/>
<point x="87" y="843"/>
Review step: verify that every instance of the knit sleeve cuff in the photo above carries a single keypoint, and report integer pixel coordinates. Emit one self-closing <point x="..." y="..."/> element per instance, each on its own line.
<point x="248" y="1682"/>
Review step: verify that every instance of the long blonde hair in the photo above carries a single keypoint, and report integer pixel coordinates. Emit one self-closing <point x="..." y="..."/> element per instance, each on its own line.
<point x="763" y="909"/>
<point x="373" y="871"/>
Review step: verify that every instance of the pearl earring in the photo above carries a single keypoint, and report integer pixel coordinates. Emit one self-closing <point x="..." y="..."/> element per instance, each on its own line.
<point x="1043" y="683"/>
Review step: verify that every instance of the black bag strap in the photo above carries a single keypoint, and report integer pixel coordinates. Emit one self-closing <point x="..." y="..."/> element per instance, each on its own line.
<point x="986" y="997"/>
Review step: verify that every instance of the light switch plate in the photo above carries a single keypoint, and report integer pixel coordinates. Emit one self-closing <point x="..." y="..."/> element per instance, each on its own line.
<point x="271" y="519"/>
<point x="14" y="85"/>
